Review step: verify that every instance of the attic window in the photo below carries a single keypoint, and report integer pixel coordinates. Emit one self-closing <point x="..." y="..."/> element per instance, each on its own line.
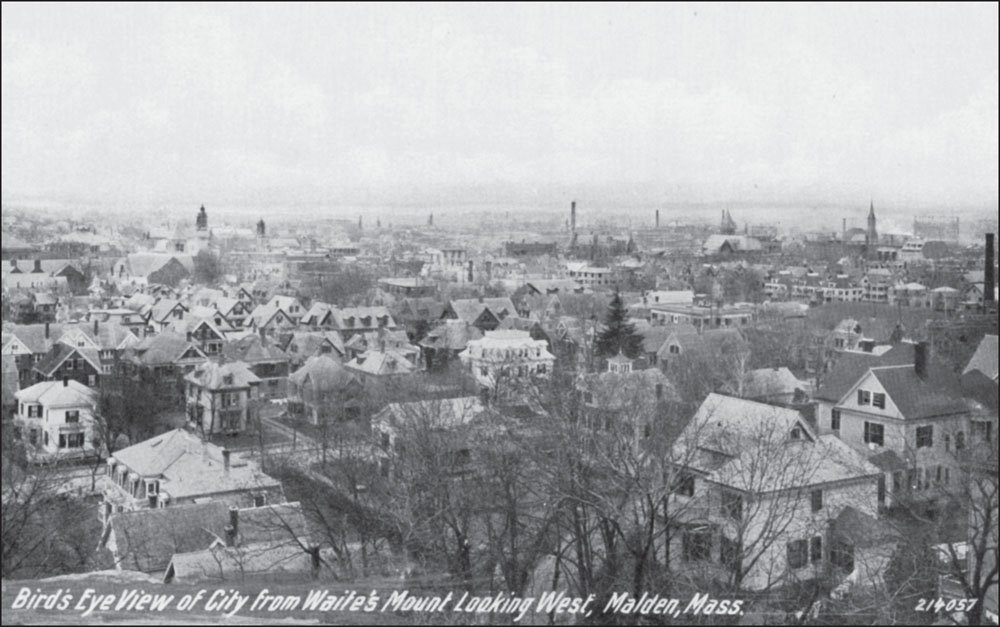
<point x="227" y="379"/>
<point x="796" y="433"/>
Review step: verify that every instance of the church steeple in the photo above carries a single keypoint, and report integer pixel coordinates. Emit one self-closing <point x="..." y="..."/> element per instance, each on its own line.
<point x="201" y="222"/>
<point x="871" y="236"/>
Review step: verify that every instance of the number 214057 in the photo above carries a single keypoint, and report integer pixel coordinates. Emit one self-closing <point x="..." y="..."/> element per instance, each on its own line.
<point x="943" y="605"/>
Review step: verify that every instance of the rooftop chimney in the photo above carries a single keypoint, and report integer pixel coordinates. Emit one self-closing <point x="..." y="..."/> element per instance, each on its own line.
<point x="95" y="326"/>
<point x="234" y="520"/>
<point x="38" y="265"/>
<point x="225" y="459"/>
<point x="46" y="330"/>
<point x="988" y="278"/>
<point x="920" y="359"/>
<point x="65" y="382"/>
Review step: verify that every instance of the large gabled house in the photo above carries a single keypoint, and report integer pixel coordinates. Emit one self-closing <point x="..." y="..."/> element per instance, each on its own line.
<point x="323" y="389"/>
<point x="165" y="313"/>
<point x="220" y="396"/>
<point x="272" y="319"/>
<point x="758" y="493"/>
<point x="162" y="358"/>
<point x="909" y="418"/>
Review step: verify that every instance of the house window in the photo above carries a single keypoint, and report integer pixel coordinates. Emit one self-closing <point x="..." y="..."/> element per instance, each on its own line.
<point x="959" y="440"/>
<point x="62" y="440"/>
<point x="874" y="433"/>
<point x="816" y="549"/>
<point x="842" y="555"/>
<point x="798" y="554"/>
<point x="835" y="420"/>
<point x="675" y="349"/>
<point x="73" y="415"/>
<point x="817" y="500"/>
<point x="878" y="400"/>
<point x="74" y="440"/>
<point x="729" y="553"/>
<point x="697" y="545"/>
<point x="925" y="437"/>
<point x="732" y="505"/>
<point x="864" y="397"/>
<point x="259" y="500"/>
<point x="685" y="485"/>
<point x="796" y="433"/>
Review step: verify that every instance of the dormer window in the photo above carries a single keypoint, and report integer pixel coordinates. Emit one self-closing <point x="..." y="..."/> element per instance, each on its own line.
<point x="796" y="433"/>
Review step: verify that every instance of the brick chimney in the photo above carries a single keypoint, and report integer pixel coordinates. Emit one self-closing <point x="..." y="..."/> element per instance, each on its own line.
<point x="988" y="278"/>
<point x="38" y="266"/>
<point x="65" y="382"/>
<point x="920" y="359"/>
<point x="95" y="326"/>
<point x="46" y="330"/>
<point x="225" y="460"/>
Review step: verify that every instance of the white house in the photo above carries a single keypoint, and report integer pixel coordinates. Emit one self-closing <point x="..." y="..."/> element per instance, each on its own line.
<point x="760" y="490"/>
<point x="507" y="355"/>
<point x="57" y="417"/>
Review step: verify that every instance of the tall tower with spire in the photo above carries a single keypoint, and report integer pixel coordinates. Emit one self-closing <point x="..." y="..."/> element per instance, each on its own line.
<point x="201" y="222"/>
<point x="871" y="236"/>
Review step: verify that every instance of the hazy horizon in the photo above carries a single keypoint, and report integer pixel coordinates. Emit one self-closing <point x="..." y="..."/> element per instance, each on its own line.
<point x="440" y="105"/>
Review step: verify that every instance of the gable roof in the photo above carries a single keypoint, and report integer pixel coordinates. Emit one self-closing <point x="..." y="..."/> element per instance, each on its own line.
<point x="985" y="358"/>
<point x="56" y="394"/>
<point x="384" y="363"/>
<point x="163" y="308"/>
<point x="231" y="375"/>
<point x="60" y="353"/>
<point x="252" y="350"/>
<point x="452" y="335"/>
<point x="146" y="539"/>
<point x="850" y="367"/>
<point x="771" y="382"/>
<point x="322" y="373"/>
<point x="745" y="445"/>
<point x="165" y="348"/>
<point x="469" y="310"/>
<point x="938" y="394"/>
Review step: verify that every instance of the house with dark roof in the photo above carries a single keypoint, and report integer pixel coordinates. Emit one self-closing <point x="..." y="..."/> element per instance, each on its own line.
<point x="914" y="409"/>
<point x="219" y="397"/>
<point x="265" y="359"/>
<point x="270" y="542"/>
<point x="323" y="389"/>
<point x="483" y="313"/>
<point x="69" y="362"/>
<point x="162" y="358"/>
<point x="302" y="345"/>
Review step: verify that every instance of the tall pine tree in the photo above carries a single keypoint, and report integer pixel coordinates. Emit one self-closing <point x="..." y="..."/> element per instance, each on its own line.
<point x="618" y="334"/>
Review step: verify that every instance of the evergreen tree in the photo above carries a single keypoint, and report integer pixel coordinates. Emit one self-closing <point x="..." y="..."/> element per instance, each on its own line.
<point x="618" y="334"/>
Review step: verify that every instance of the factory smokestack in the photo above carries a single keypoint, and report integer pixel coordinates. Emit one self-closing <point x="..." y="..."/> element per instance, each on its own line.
<point x="989" y="280"/>
<point x="572" y="217"/>
<point x="657" y="218"/>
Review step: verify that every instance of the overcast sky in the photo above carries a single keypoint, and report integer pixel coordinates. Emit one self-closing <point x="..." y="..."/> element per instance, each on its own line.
<point x="156" y="103"/>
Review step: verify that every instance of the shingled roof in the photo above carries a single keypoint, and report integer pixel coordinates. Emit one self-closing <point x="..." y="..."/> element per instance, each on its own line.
<point x="146" y="539"/>
<point x="850" y="367"/>
<point x="937" y="394"/>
